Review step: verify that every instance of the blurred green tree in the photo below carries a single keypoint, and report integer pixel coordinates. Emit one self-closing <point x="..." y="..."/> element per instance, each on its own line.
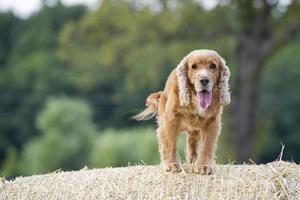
<point x="9" y="22"/>
<point x="8" y="31"/>
<point x="30" y="70"/>
<point x="121" y="147"/>
<point x="67" y="132"/>
<point x="281" y="102"/>
<point x="10" y="164"/>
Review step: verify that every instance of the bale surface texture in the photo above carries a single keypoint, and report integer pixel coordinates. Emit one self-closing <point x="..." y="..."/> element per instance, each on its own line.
<point x="277" y="180"/>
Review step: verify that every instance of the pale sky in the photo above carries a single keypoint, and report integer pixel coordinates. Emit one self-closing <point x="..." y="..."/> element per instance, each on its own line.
<point x="24" y="8"/>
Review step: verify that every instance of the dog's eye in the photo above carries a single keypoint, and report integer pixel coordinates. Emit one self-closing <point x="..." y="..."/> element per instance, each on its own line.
<point x="212" y="66"/>
<point x="194" y="66"/>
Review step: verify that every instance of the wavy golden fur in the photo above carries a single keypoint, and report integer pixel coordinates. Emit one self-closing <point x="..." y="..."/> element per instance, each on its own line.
<point x="181" y="108"/>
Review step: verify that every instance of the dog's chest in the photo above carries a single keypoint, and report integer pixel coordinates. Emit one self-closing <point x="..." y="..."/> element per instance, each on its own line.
<point x="191" y="122"/>
<point x="191" y="119"/>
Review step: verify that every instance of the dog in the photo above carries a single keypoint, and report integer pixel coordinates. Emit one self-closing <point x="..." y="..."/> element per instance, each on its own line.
<point x="192" y="101"/>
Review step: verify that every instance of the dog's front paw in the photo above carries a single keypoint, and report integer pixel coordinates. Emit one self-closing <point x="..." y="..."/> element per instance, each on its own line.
<point x="204" y="169"/>
<point x="172" y="167"/>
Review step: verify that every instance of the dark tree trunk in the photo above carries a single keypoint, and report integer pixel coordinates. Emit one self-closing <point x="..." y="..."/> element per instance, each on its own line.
<point x="253" y="49"/>
<point x="164" y="4"/>
<point x="244" y="103"/>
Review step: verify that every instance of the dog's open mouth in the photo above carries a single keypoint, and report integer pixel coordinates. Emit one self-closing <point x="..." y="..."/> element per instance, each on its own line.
<point x="204" y="98"/>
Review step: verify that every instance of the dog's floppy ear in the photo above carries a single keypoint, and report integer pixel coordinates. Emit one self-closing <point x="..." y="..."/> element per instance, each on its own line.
<point x="224" y="84"/>
<point x="183" y="85"/>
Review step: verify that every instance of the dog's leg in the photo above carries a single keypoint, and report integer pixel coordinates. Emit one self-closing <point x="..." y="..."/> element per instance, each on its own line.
<point x="192" y="146"/>
<point x="205" y="160"/>
<point x="167" y="136"/>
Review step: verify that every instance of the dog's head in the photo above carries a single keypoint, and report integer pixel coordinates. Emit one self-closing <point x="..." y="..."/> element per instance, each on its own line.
<point x="203" y="72"/>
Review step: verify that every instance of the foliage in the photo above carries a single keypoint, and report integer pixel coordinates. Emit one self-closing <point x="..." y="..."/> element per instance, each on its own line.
<point x="281" y="102"/>
<point x="124" y="147"/>
<point x="10" y="22"/>
<point x="66" y="136"/>
<point x="30" y="70"/>
<point x="10" y="163"/>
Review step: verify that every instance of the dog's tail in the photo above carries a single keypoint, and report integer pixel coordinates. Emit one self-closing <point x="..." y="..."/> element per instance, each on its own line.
<point x="152" y="107"/>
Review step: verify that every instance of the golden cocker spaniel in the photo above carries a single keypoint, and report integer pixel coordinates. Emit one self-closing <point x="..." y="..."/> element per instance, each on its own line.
<point x="192" y="102"/>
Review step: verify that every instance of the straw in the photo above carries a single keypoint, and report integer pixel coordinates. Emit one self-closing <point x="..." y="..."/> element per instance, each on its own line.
<point x="276" y="180"/>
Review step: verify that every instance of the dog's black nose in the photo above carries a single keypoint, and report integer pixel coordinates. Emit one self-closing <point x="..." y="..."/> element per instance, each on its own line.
<point x="204" y="81"/>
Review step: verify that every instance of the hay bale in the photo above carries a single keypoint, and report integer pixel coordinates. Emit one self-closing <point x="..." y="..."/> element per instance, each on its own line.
<point x="277" y="180"/>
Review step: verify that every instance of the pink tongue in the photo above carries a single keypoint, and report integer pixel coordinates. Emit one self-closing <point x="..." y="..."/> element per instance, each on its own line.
<point x="204" y="99"/>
